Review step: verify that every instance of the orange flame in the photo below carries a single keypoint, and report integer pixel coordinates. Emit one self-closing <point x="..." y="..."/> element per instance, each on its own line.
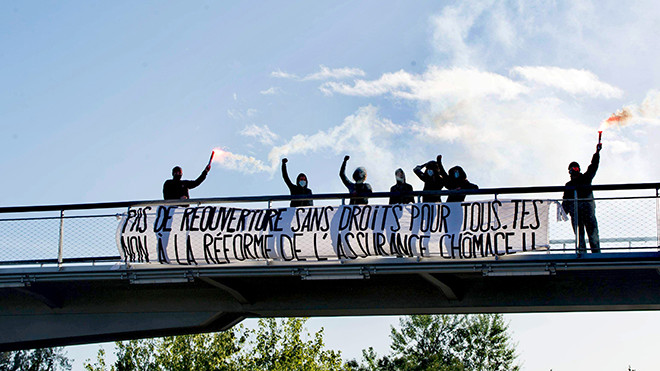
<point x="219" y="155"/>
<point x="620" y="118"/>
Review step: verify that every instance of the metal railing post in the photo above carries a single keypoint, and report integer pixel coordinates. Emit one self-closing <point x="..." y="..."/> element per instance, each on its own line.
<point x="657" y="216"/>
<point x="60" y="249"/>
<point x="576" y="226"/>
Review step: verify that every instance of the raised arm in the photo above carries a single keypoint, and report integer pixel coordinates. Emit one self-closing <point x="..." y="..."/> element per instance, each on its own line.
<point x="342" y="174"/>
<point x="595" y="161"/>
<point x="285" y="174"/>
<point x="418" y="171"/>
<point x="441" y="168"/>
<point x="194" y="183"/>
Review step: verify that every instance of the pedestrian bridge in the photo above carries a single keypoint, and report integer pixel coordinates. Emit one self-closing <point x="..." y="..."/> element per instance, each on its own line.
<point x="68" y="276"/>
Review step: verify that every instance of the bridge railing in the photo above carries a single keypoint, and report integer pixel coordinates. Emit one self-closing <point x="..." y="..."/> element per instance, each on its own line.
<point x="628" y="219"/>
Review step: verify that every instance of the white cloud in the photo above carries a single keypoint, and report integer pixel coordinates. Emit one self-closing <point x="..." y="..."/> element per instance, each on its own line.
<point x="650" y="107"/>
<point x="325" y="73"/>
<point x="271" y="91"/>
<point x="262" y="133"/>
<point x="436" y="83"/>
<point x="283" y="75"/>
<point x="237" y="114"/>
<point x="573" y="81"/>
<point x="451" y="29"/>
<point x="234" y="114"/>
<point x="334" y="73"/>
<point x="506" y="125"/>
<point x="364" y="135"/>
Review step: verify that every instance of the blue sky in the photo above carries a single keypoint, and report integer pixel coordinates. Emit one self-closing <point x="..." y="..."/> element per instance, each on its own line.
<point x="100" y="100"/>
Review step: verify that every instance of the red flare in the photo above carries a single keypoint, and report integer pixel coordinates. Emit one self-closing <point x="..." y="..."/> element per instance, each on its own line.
<point x="600" y="135"/>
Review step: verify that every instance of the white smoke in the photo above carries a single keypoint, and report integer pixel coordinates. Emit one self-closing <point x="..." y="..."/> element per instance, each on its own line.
<point x="238" y="162"/>
<point x="436" y="83"/>
<point x="577" y="82"/>
<point x="262" y="133"/>
<point x="325" y="73"/>
<point x="364" y="135"/>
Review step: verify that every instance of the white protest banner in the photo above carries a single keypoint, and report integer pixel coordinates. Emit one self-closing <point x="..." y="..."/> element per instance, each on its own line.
<point x="216" y="235"/>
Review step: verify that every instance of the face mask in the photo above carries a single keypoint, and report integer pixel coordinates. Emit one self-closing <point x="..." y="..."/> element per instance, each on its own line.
<point x="302" y="183"/>
<point x="430" y="172"/>
<point x="456" y="174"/>
<point x="399" y="179"/>
<point x="177" y="176"/>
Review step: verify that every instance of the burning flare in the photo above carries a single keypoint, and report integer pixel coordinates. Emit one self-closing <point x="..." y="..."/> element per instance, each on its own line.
<point x="620" y="118"/>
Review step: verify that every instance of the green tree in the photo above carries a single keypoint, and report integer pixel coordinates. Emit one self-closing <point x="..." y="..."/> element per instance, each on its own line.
<point x="44" y="359"/>
<point x="273" y="345"/>
<point x="100" y="362"/>
<point x="279" y="345"/>
<point x="173" y="353"/>
<point x="137" y="355"/>
<point x="199" y="352"/>
<point x="427" y="342"/>
<point x="445" y="342"/>
<point x="486" y="344"/>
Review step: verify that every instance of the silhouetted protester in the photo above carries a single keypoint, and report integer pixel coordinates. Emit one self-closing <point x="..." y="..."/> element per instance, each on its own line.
<point x="402" y="188"/>
<point x="300" y="188"/>
<point x="455" y="181"/>
<point x="586" y="209"/>
<point x="433" y="180"/>
<point x="177" y="189"/>
<point x="359" y="188"/>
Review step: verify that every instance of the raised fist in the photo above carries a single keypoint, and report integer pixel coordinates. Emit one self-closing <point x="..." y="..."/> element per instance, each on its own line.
<point x="284" y="160"/>
<point x="599" y="146"/>
<point x="439" y="158"/>
<point x="346" y="158"/>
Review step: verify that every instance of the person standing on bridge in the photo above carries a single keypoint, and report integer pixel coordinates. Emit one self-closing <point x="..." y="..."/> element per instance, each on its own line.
<point x="433" y="180"/>
<point x="359" y="188"/>
<point x="456" y="180"/>
<point x="300" y="188"/>
<point x="177" y="189"/>
<point x="402" y="189"/>
<point x="586" y="207"/>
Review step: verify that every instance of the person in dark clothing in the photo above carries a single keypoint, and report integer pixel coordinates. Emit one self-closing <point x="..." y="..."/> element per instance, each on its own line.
<point x="359" y="188"/>
<point x="455" y="180"/>
<point x="586" y="207"/>
<point x="433" y="180"/>
<point x="402" y="188"/>
<point x="177" y="189"/>
<point x="300" y="188"/>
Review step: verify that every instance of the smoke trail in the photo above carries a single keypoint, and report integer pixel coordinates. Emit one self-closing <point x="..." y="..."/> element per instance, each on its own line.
<point x="647" y="112"/>
<point x="246" y="164"/>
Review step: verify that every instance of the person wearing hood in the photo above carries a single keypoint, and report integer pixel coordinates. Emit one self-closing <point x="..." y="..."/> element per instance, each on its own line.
<point x="433" y="180"/>
<point x="359" y="188"/>
<point x="300" y="188"/>
<point x="402" y="189"/>
<point x="456" y="180"/>
<point x="586" y="208"/>
<point x="177" y="189"/>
